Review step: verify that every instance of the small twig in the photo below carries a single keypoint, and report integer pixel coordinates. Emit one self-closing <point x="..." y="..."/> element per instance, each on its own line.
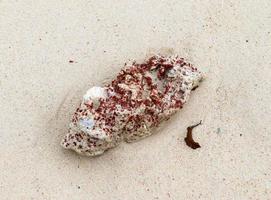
<point x="189" y="137"/>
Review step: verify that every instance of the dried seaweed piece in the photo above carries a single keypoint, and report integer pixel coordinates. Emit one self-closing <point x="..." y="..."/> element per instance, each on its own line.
<point x="189" y="137"/>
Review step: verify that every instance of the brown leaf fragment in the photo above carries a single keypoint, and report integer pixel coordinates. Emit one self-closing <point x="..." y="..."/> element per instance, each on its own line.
<point x="189" y="137"/>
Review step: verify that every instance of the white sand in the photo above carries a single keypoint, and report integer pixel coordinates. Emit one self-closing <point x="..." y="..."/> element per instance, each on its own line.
<point x="228" y="40"/>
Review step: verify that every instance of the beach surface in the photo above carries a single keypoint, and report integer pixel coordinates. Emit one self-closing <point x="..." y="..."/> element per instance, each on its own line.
<point x="52" y="51"/>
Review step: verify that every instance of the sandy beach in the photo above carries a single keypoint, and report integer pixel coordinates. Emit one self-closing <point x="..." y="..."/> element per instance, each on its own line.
<point x="51" y="52"/>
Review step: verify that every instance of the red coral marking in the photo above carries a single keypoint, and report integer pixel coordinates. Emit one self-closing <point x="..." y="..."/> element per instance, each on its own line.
<point x="107" y="116"/>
